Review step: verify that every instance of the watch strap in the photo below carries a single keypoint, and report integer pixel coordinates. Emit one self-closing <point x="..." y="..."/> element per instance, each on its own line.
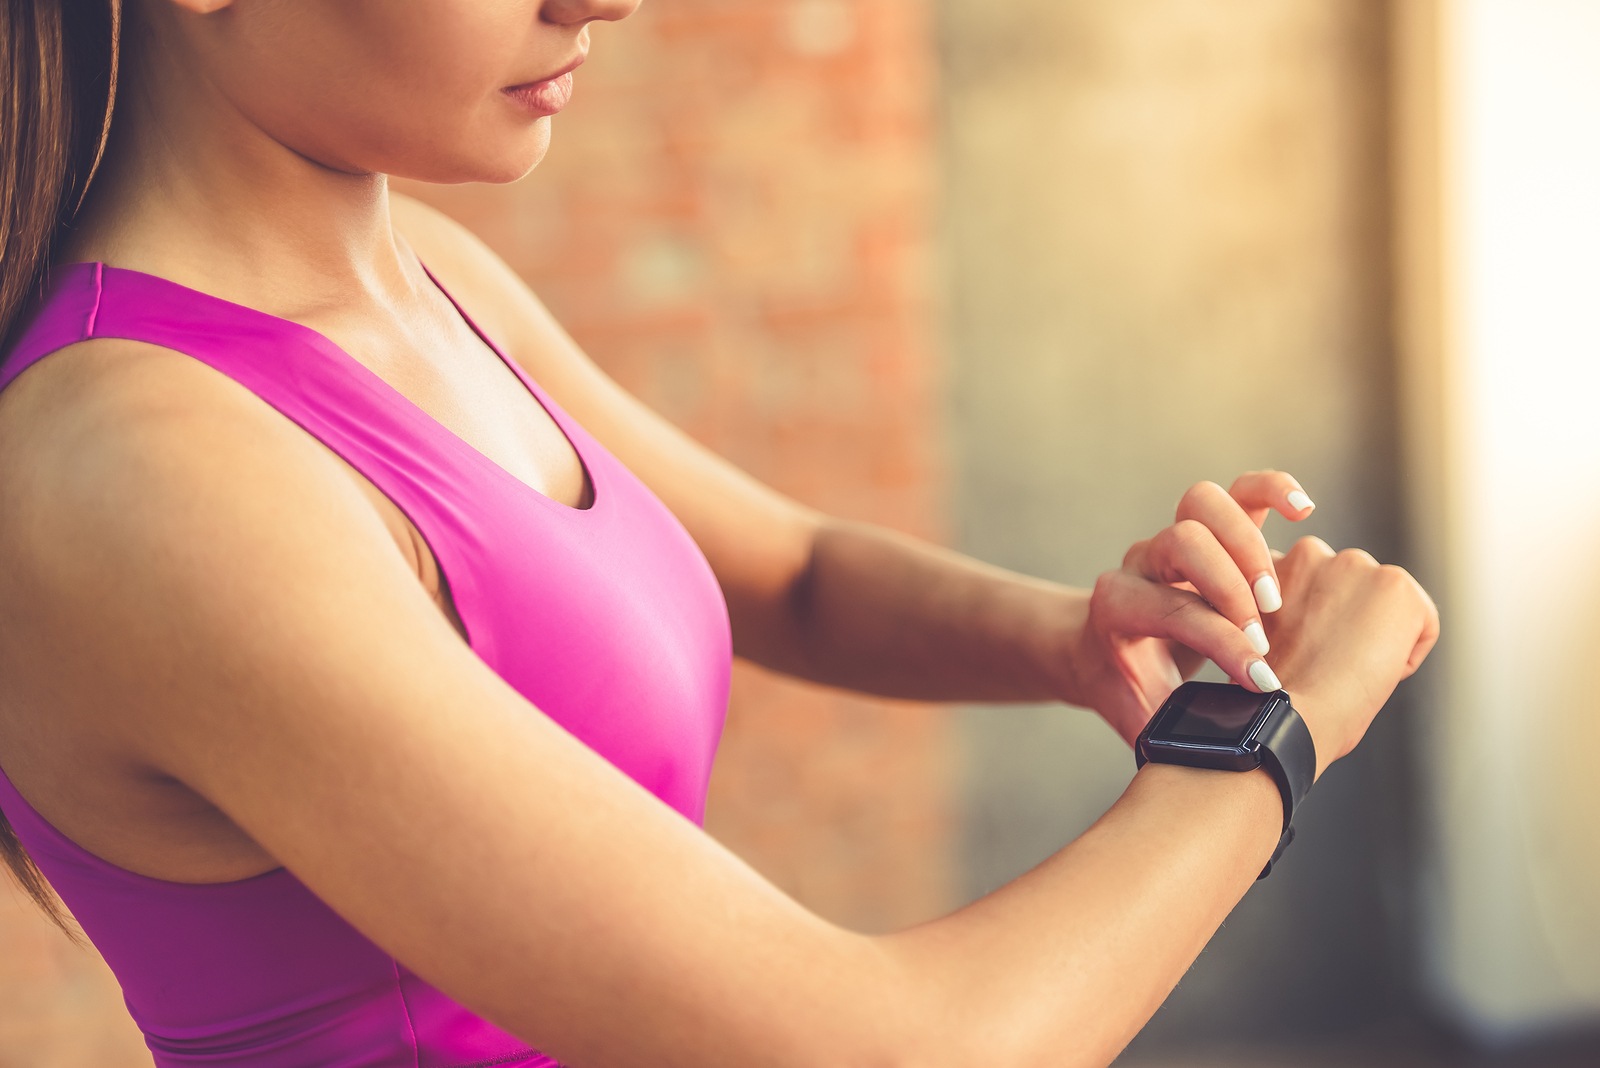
<point x="1283" y="843"/>
<point x="1289" y="753"/>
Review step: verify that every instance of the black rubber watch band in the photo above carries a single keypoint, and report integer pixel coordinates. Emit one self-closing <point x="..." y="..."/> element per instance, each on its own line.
<point x="1289" y="754"/>
<point x="1283" y="843"/>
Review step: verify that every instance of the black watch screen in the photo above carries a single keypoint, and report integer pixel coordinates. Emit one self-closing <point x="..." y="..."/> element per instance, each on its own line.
<point x="1210" y="725"/>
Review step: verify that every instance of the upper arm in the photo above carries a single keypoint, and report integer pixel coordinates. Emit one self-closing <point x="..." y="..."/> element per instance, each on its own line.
<point x="757" y="541"/>
<point x="206" y="586"/>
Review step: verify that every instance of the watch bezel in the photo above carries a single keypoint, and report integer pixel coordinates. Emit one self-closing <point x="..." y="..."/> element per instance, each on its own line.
<point x="1241" y="755"/>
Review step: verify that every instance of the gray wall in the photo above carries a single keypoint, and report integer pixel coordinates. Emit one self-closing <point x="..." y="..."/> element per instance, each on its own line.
<point x="1166" y="259"/>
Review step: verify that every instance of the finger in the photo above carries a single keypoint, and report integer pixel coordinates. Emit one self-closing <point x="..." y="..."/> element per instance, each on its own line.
<point x="1188" y="552"/>
<point x="1139" y="607"/>
<point x="1260" y="492"/>
<point x="1220" y="512"/>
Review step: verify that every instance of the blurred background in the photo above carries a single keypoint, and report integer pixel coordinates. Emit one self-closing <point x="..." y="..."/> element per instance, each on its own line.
<point x="1012" y="276"/>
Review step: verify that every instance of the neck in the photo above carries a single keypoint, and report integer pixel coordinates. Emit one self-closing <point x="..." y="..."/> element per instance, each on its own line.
<point x="193" y="190"/>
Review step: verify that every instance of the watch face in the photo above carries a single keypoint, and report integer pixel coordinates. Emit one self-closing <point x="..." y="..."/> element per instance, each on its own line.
<point x="1213" y="715"/>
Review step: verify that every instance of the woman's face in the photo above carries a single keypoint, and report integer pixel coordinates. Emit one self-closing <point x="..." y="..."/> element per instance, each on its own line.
<point x="439" y="90"/>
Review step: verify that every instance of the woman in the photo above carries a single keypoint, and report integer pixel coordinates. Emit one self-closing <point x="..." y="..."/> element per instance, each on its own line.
<point x="359" y="700"/>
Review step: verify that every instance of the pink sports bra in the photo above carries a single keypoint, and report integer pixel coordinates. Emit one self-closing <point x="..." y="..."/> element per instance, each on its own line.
<point x="608" y="619"/>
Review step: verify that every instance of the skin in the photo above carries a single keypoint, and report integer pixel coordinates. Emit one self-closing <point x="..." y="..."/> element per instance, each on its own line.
<point x="156" y="697"/>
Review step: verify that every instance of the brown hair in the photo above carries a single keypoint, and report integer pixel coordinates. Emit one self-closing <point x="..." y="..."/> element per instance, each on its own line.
<point x="58" y="79"/>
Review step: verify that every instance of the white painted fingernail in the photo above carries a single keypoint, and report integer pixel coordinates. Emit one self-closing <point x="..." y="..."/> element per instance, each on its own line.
<point x="1299" y="501"/>
<point x="1258" y="636"/>
<point x="1263" y="677"/>
<point x="1267" y="595"/>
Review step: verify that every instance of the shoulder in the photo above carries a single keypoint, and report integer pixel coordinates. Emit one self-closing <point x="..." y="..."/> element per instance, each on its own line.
<point x="111" y="407"/>
<point x="107" y="408"/>
<point x="142" y="493"/>
<point x="110" y="441"/>
<point x="156" y="515"/>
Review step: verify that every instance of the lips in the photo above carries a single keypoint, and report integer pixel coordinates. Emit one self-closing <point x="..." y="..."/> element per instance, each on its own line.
<point x="548" y="95"/>
<point x="544" y="98"/>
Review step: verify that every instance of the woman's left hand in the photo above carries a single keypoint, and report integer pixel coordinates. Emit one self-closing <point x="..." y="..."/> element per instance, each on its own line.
<point x="1194" y="592"/>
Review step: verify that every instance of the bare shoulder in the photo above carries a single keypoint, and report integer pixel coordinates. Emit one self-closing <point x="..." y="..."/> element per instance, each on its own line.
<point x="112" y="448"/>
<point x="112" y="432"/>
<point x="94" y="431"/>
<point x="121" y="465"/>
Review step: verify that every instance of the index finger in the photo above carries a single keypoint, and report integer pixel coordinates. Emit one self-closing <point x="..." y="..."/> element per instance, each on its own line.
<point x="1260" y="492"/>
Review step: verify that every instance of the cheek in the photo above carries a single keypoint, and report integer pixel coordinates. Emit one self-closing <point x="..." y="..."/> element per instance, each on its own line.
<point x="434" y="71"/>
<point x="410" y="128"/>
<point x="416" y="95"/>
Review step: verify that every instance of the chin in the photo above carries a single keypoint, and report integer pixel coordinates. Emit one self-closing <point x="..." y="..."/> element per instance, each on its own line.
<point x="491" y="160"/>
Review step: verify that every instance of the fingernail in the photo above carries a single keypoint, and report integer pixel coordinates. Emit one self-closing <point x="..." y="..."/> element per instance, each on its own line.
<point x="1299" y="501"/>
<point x="1267" y="595"/>
<point x="1263" y="677"/>
<point x="1258" y="636"/>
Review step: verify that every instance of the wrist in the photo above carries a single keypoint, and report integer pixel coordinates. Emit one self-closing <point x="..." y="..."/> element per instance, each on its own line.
<point x="1255" y="788"/>
<point x="1056" y="645"/>
<point x="1318" y="707"/>
<point x="1244" y="806"/>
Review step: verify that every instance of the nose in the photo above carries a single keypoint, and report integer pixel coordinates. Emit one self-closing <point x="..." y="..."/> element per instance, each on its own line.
<point x="577" y="12"/>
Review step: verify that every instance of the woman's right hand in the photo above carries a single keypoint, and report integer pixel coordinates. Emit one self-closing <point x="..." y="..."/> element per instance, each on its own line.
<point x="1349" y="631"/>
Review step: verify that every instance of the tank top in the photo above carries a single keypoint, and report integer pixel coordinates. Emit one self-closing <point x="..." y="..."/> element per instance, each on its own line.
<point x="607" y="619"/>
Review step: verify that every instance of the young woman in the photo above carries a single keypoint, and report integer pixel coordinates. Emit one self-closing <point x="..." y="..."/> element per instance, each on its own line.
<point x="359" y="698"/>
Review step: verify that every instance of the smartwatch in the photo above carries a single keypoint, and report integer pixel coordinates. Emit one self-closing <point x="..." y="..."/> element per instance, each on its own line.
<point x="1229" y="728"/>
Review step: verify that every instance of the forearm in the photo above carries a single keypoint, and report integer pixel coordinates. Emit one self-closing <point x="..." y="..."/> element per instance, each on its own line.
<point x="1064" y="965"/>
<point x="885" y="613"/>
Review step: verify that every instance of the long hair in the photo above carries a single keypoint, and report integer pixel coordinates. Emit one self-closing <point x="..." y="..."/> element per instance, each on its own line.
<point x="58" y="80"/>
